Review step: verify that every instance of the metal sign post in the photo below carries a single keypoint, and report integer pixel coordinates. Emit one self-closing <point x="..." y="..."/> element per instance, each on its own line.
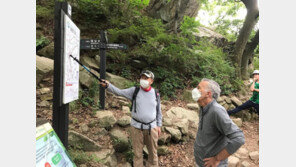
<point x="103" y="67"/>
<point x="60" y="115"/>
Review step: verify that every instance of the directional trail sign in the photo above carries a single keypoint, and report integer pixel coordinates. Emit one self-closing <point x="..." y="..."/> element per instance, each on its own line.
<point x="116" y="46"/>
<point x="97" y="44"/>
<point x="90" y="44"/>
<point x="102" y="45"/>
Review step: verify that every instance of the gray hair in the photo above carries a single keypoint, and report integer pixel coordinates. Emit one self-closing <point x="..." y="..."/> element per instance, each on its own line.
<point x="214" y="87"/>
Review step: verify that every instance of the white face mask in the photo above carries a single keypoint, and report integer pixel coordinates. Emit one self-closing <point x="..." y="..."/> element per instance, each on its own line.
<point x="144" y="83"/>
<point x="196" y="94"/>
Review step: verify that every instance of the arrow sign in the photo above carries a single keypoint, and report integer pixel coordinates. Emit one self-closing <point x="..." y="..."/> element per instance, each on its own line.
<point x="116" y="46"/>
<point x="90" y="44"/>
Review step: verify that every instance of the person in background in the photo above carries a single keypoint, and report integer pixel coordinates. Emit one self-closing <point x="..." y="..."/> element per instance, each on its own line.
<point x="146" y="117"/>
<point x="254" y="100"/>
<point x="217" y="136"/>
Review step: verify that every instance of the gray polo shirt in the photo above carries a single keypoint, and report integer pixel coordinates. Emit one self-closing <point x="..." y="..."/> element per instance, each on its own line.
<point x="216" y="131"/>
<point x="146" y="106"/>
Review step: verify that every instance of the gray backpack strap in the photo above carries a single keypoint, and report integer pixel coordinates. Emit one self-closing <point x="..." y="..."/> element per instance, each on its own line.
<point x="157" y="97"/>
<point x="134" y="98"/>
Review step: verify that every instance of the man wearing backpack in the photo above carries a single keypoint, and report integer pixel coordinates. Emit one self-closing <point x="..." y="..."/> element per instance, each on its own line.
<point x="146" y="117"/>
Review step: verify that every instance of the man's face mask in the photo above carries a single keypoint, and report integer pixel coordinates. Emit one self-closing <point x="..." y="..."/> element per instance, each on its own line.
<point x="144" y="83"/>
<point x="196" y="94"/>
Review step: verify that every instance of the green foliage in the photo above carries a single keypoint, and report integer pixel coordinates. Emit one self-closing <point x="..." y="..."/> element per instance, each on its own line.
<point x="189" y="25"/>
<point x="212" y="63"/>
<point x="225" y="13"/>
<point x="80" y="157"/>
<point x="177" y="60"/>
<point x="73" y="106"/>
<point x="44" y="12"/>
<point x="41" y="42"/>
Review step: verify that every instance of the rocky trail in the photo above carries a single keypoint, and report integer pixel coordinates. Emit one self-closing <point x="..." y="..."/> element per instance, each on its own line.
<point x="100" y="138"/>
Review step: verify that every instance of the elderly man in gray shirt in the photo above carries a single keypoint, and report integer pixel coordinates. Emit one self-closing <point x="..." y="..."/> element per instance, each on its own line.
<point x="217" y="136"/>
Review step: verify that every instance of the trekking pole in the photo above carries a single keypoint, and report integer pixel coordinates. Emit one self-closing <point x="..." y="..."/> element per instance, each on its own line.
<point x="94" y="75"/>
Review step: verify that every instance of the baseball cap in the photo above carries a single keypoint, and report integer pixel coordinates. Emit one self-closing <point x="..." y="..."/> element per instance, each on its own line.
<point x="256" y="72"/>
<point x="148" y="73"/>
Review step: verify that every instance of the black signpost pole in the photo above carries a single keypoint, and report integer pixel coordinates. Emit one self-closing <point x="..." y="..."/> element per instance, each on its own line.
<point x="60" y="116"/>
<point x="103" y="43"/>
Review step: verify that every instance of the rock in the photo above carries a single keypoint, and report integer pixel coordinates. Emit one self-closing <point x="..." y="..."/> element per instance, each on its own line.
<point x="139" y="64"/>
<point x="90" y="62"/>
<point x="164" y="138"/>
<point x="46" y="97"/>
<point x="47" y="51"/>
<point x="77" y="140"/>
<point x="44" y="103"/>
<point x="84" y="128"/>
<point x="167" y="121"/>
<point x="193" y="106"/>
<point x="193" y="125"/>
<point x="82" y="165"/>
<point x="44" y="90"/>
<point x="124" y="121"/>
<point x="187" y="96"/>
<point x="163" y="107"/>
<point x="44" y="68"/>
<point x="163" y="150"/>
<point x="111" y="160"/>
<point x="226" y="106"/>
<point x="183" y="126"/>
<point x="192" y="134"/>
<point x="212" y="36"/>
<point x="126" y="110"/>
<point x="220" y="99"/>
<point x="228" y="100"/>
<point x="181" y="113"/>
<point x="236" y="101"/>
<point x="245" y="164"/>
<point x="231" y="107"/>
<point x="242" y="153"/>
<point x="102" y="132"/>
<point x="233" y="161"/>
<point x="85" y="78"/>
<point x="106" y="156"/>
<point x="106" y="119"/>
<point x="167" y="103"/>
<point x="176" y="134"/>
<point x="118" y="81"/>
<point x="238" y="121"/>
<point x="126" y="164"/>
<point x="168" y="10"/>
<point x="120" y="140"/>
<point x="123" y="102"/>
<point x="223" y="98"/>
<point x="103" y="154"/>
<point x="121" y="98"/>
<point x="254" y="155"/>
<point x="254" y="116"/>
<point x="114" y="104"/>
<point x="245" y="115"/>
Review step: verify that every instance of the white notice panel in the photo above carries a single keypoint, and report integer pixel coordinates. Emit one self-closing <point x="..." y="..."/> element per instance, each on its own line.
<point x="71" y="68"/>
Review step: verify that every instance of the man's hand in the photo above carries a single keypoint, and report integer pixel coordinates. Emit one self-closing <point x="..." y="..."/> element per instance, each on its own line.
<point x="211" y="162"/>
<point x="104" y="84"/>
<point x="158" y="130"/>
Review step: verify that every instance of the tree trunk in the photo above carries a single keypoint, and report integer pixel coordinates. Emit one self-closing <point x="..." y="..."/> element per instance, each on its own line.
<point x="249" y="23"/>
<point x="247" y="55"/>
